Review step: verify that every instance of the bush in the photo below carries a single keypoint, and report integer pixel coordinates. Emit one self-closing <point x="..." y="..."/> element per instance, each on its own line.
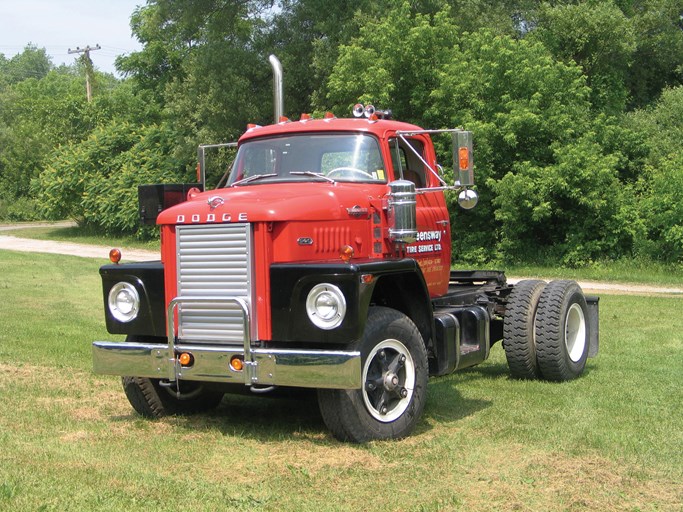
<point x="96" y="181"/>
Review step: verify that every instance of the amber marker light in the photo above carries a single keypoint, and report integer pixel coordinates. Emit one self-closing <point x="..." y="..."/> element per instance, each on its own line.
<point x="367" y="278"/>
<point x="346" y="253"/>
<point x="115" y="255"/>
<point x="186" y="359"/>
<point x="464" y="157"/>
<point x="237" y="364"/>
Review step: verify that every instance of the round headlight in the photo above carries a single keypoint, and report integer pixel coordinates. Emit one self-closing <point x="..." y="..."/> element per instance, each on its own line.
<point x="326" y="306"/>
<point x="124" y="302"/>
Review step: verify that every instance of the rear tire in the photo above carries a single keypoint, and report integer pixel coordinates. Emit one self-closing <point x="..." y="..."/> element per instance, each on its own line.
<point x="152" y="400"/>
<point x="519" y="338"/>
<point x="562" y="331"/>
<point x="394" y="380"/>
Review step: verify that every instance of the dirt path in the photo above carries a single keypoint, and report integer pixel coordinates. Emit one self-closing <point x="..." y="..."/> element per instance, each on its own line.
<point x="8" y="242"/>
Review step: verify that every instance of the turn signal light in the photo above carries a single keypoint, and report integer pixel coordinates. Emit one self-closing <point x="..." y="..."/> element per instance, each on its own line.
<point x="115" y="255"/>
<point x="464" y="158"/>
<point x="346" y="253"/>
<point x="237" y="364"/>
<point x="186" y="359"/>
<point x="367" y="278"/>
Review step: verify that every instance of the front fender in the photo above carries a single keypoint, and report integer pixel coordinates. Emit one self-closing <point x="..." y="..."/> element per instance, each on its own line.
<point x="148" y="279"/>
<point x="291" y="283"/>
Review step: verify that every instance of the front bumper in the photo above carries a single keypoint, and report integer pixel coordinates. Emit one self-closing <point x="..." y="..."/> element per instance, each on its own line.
<point x="265" y="367"/>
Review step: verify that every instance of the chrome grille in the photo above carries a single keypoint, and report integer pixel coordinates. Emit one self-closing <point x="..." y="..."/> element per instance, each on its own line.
<point x="213" y="261"/>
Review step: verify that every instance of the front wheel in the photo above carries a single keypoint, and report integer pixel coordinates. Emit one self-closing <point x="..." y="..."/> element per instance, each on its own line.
<point x="152" y="400"/>
<point x="394" y="383"/>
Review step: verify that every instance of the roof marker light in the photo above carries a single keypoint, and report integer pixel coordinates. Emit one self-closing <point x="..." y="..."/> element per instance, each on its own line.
<point x="329" y="115"/>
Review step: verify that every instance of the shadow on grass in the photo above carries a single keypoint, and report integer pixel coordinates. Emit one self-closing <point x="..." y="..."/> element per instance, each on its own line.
<point x="294" y="414"/>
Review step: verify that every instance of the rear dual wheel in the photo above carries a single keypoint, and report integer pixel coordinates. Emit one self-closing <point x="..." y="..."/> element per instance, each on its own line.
<point x="545" y="330"/>
<point x="562" y="331"/>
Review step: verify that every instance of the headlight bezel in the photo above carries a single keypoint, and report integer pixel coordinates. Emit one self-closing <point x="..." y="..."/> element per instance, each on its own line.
<point x="115" y="299"/>
<point x="326" y="306"/>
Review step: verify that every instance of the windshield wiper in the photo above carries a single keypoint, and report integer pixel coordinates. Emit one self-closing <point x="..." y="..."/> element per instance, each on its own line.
<point x="314" y="174"/>
<point x="252" y="178"/>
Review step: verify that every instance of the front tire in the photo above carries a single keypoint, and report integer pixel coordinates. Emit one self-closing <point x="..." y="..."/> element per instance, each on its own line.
<point x="394" y="383"/>
<point x="562" y="331"/>
<point x="152" y="400"/>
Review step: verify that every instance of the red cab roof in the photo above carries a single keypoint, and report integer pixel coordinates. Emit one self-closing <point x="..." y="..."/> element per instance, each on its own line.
<point x="379" y="128"/>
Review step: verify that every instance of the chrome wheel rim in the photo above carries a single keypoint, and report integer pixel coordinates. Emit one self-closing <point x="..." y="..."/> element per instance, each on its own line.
<point x="388" y="380"/>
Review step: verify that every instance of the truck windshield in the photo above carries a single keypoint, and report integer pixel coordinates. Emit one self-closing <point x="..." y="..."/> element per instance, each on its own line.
<point x="309" y="157"/>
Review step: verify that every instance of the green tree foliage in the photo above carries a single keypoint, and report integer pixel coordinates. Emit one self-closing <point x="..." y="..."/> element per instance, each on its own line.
<point x="661" y="179"/>
<point x="200" y="61"/>
<point x="600" y="39"/>
<point x="658" y="58"/>
<point x="95" y="181"/>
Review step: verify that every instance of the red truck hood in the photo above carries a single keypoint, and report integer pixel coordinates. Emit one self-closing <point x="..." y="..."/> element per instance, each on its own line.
<point x="274" y="202"/>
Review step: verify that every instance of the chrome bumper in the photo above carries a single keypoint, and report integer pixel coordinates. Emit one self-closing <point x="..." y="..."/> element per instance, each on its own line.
<point x="276" y="367"/>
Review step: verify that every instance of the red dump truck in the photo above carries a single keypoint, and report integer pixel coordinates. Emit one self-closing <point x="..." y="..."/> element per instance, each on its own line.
<point x="324" y="262"/>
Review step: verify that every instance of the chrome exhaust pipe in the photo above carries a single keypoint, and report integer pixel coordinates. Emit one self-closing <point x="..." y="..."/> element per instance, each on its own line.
<point x="278" y="91"/>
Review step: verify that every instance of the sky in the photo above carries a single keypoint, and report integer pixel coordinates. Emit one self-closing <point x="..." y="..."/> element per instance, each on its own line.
<point x="58" y="25"/>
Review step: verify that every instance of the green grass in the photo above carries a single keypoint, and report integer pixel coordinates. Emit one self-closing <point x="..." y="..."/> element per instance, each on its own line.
<point x="610" y="440"/>
<point x="82" y="236"/>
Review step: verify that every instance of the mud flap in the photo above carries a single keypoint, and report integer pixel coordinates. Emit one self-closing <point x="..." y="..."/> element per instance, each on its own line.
<point x="593" y="324"/>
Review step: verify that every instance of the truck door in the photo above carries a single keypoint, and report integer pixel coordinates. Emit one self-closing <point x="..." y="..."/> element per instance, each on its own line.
<point x="432" y="249"/>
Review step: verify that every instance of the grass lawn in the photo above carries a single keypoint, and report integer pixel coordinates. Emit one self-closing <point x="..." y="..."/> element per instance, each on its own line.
<point x="611" y="440"/>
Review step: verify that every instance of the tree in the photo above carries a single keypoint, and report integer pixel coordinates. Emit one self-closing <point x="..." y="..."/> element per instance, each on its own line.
<point x="600" y="39"/>
<point x="661" y="178"/>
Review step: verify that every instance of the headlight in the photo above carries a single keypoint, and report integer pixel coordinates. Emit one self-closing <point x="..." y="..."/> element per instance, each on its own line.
<point x="124" y="302"/>
<point x="326" y="306"/>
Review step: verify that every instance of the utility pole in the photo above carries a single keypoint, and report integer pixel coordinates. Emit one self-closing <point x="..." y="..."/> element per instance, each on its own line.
<point x="88" y="66"/>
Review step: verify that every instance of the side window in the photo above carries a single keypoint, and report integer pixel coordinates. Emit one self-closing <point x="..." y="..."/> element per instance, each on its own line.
<point x="410" y="162"/>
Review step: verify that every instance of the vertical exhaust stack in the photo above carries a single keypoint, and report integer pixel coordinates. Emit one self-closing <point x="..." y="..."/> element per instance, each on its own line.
<point x="278" y="91"/>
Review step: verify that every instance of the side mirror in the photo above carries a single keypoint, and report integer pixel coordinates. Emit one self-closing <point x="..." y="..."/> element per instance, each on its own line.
<point x="463" y="166"/>
<point x="468" y="199"/>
